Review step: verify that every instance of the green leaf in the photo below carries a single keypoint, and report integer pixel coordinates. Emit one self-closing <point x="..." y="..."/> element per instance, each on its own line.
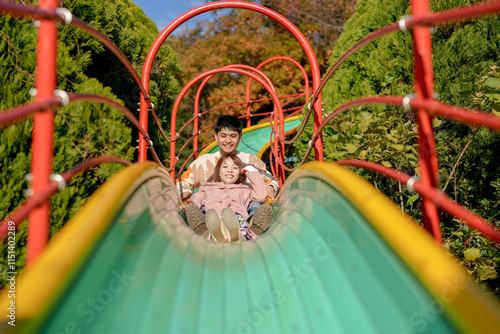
<point x="386" y="164"/>
<point x="436" y="122"/>
<point x="471" y="254"/>
<point x="411" y="158"/>
<point x="493" y="84"/>
<point x="496" y="108"/>
<point x="467" y="79"/>
<point x="485" y="273"/>
<point x="346" y="125"/>
<point x="493" y="96"/>
<point x="398" y="147"/>
<point x="389" y="78"/>
<point x="351" y="148"/>
<point x="413" y="198"/>
<point x="391" y="137"/>
<point x="365" y="123"/>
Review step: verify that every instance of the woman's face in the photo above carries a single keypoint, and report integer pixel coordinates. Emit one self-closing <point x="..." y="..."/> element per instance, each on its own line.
<point x="229" y="172"/>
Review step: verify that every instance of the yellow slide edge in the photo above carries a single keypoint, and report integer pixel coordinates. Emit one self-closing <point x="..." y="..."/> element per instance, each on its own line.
<point x="453" y="290"/>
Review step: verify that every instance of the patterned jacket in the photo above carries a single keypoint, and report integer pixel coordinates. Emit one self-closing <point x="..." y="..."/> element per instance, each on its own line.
<point x="202" y="169"/>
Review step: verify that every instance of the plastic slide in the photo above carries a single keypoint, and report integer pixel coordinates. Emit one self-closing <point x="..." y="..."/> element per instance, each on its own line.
<point x="338" y="258"/>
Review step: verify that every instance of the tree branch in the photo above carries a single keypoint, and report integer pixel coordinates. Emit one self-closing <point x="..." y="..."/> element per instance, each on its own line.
<point x="459" y="158"/>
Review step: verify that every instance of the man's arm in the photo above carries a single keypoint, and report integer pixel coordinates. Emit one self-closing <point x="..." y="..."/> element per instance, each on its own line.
<point x="271" y="193"/>
<point x="186" y="195"/>
<point x="185" y="184"/>
<point x="198" y="172"/>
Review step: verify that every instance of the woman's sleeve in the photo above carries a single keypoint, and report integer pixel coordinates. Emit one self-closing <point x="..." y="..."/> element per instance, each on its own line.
<point x="259" y="192"/>
<point x="266" y="176"/>
<point x="198" y="199"/>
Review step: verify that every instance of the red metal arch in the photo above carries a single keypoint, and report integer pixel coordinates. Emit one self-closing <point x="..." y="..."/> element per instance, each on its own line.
<point x="278" y="116"/>
<point x="198" y="96"/>
<point x="143" y="118"/>
<point x="265" y="62"/>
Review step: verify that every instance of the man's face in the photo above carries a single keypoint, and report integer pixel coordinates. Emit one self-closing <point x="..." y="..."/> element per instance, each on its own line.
<point x="228" y="140"/>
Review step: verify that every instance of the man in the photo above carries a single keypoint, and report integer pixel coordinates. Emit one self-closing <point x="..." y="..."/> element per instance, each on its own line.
<point x="228" y="131"/>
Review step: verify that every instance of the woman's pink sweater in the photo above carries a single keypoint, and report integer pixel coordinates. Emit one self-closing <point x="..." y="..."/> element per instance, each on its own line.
<point x="218" y="195"/>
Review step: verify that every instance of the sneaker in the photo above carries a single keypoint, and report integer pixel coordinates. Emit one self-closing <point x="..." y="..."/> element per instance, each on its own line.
<point x="214" y="225"/>
<point x="232" y="224"/>
<point x="195" y="218"/>
<point x="259" y="223"/>
<point x="154" y="185"/>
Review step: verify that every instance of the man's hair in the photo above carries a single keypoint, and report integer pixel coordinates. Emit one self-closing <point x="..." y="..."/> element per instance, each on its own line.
<point x="230" y="122"/>
<point x="237" y="161"/>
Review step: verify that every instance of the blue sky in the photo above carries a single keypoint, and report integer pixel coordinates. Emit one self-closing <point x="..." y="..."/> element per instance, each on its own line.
<point x="162" y="12"/>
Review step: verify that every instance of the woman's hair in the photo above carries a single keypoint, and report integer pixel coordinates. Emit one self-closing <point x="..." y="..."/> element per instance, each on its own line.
<point x="238" y="163"/>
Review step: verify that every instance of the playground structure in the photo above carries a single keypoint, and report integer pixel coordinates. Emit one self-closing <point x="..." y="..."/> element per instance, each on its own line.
<point x="298" y="191"/>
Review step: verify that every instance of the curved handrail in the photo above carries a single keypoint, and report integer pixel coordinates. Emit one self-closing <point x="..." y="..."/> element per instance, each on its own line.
<point x="306" y="92"/>
<point x="294" y="109"/>
<point x="408" y="23"/>
<point x="27" y="11"/>
<point x="17" y="113"/>
<point x="442" y="200"/>
<point x="433" y="107"/>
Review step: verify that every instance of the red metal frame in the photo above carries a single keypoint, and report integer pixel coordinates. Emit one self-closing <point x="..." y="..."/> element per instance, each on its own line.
<point x="278" y="116"/>
<point x="43" y="129"/>
<point x="41" y="197"/>
<point x="198" y="97"/>
<point x="37" y="207"/>
<point x="293" y="61"/>
<point x="439" y="198"/>
<point x="143" y="118"/>
<point x="424" y="89"/>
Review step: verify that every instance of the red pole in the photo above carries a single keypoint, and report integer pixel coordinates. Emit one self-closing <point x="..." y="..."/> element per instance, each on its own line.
<point x="143" y="120"/>
<point x="43" y="128"/>
<point x="424" y="88"/>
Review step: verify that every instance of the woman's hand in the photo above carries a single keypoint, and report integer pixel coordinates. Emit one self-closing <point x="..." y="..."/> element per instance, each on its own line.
<point x="248" y="169"/>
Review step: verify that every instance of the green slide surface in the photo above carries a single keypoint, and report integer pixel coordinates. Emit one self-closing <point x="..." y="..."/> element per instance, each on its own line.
<point x="335" y="260"/>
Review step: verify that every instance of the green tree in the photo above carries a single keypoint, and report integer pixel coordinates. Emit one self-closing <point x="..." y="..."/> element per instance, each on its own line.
<point x="321" y="21"/>
<point x="82" y="130"/>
